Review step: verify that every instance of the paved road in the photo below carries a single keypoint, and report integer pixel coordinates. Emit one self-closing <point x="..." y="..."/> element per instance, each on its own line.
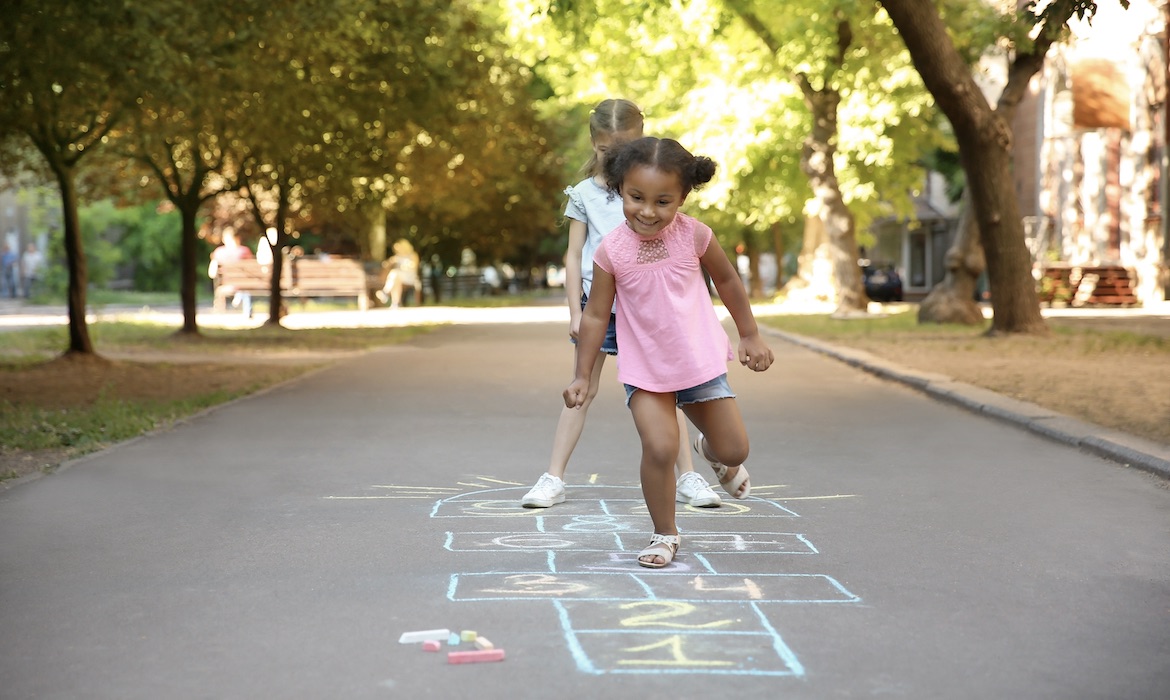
<point x="894" y="546"/>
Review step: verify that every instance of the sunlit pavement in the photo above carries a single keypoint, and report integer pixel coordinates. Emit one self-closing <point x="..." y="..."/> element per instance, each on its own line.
<point x="16" y="314"/>
<point x="20" y="316"/>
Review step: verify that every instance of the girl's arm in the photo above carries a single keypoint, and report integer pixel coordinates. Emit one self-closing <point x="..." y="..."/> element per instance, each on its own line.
<point x="753" y="352"/>
<point x="594" y="323"/>
<point x="574" y="286"/>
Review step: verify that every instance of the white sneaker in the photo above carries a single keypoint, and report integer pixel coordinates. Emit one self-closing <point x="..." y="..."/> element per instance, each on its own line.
<point x="694" y="490"/>
<point x="548" y="491"/>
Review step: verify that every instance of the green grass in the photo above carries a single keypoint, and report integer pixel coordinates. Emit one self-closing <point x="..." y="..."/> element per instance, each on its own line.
<point x="80" y="429"/>
<point x="37" y="344"/>
<point x="904" y="327"/>
<point x="894" y="325"/>
<point x="107" y="297"/>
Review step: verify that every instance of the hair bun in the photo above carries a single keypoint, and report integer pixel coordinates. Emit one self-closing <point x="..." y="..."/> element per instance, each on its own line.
<point x="703" y="170"/>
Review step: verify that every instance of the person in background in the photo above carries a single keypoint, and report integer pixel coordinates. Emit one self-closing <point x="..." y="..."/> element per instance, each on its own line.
<point x="230" y="251"/>
<point x="30" y="268"/>
<point x="402" y="273"/>
<point x="9" y="286"/>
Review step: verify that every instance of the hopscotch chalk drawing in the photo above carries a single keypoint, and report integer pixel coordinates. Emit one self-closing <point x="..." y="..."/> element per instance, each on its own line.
<point x="706" y="613"/>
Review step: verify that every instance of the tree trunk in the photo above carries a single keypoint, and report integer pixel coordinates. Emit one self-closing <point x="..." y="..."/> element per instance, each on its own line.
<point x="188" y="265"/>
<point x="813" y="281"/>
<point x="953" y="299"/>
<point x="1015" y="304"/>
<point x="376" y="236"/>
<point x="79" y="341"/>
<point x="985" y="148"/>
<point x="816" y="162"/>
<point x="755" y="284"/>
<point x="280" y="223"/>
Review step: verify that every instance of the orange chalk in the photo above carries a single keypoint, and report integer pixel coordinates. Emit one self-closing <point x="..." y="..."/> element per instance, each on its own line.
<point x="475" y="657"/>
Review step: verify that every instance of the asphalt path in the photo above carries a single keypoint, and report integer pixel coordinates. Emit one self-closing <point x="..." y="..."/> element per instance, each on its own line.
<point x="278" y="547"/>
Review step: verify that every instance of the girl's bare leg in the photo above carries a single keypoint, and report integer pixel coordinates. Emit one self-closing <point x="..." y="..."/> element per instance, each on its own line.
<point x="654" y="417"/>
<point x="571" y="424"/>
<point x="721" y="423"/>
<point x="684" y="463"/>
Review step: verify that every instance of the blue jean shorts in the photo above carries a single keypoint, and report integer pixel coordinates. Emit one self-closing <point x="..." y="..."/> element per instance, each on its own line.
<point x="609" y="345"/>
<point x="717" y="388"/>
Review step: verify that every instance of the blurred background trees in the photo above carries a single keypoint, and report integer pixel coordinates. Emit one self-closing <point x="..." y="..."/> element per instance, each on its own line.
<point x="348" y="124"/>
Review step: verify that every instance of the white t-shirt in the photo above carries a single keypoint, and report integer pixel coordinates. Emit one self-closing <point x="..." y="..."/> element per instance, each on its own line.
<point x="601" y="212"/>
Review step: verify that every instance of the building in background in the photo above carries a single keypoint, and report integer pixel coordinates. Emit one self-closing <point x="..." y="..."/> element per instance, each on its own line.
<point x="1090" y="157"/>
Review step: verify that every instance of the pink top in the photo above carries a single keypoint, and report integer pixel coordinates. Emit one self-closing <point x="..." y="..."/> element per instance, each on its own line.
<point x="669" y="337"/>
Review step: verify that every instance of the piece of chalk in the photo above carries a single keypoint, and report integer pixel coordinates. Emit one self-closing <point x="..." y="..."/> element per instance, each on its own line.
<point x="453" y="640"/>
<point x="483" y="643"/>
<point x="475" y="657"/>
<point x="422" y="636"/>
<point x="467" y="636"/>
<point x="431" y="645"/>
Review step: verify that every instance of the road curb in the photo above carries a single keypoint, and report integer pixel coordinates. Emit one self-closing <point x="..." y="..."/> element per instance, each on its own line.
<point x="1114" y="445"/>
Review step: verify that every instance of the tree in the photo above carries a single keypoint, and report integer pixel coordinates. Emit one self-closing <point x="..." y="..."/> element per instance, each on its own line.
<point x="64" y="85"/>
<point x="802" y="109"/>
<point x="984" y="137"/>
<point x="192" y="91"/>
<point x="377" y="107"/>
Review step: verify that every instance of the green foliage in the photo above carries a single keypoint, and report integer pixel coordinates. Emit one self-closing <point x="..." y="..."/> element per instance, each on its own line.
<point x="141" y="241"/>
<point x="150" y="243"/>
<point x="705" y="76"/>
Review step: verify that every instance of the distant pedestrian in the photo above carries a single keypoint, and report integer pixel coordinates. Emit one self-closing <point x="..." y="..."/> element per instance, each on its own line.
<point x="674" y="351"/>
<point x="230" y="251"/>
<point x="31" y="264"/>
<point x="9" y="286"/>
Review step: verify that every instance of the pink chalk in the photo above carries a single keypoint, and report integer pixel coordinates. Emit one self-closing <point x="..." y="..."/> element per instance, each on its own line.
<point x="475" y="657"/>
<point x="431" y="645"/>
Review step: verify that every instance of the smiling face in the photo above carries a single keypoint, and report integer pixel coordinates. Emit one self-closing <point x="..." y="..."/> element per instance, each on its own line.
<point x="650" y="199"/>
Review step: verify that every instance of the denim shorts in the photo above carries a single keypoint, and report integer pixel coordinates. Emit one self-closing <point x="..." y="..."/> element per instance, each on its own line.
<point x="609" y="344"/>
<point x="717" y="388"/>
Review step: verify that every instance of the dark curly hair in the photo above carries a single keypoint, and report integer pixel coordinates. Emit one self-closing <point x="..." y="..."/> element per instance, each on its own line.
<point x="666" y="155"/>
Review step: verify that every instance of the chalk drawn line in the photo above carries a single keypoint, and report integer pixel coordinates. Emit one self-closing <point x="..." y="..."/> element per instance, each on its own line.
<point x="576" y="640"/>
<point x="615" y="586"/>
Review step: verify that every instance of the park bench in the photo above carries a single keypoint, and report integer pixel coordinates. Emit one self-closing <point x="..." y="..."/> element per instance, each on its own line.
<point x="246" y="276"/>
<point x="1087" y="285"/>
<point x="318" y="278"/>
<point x="300" y="278"/>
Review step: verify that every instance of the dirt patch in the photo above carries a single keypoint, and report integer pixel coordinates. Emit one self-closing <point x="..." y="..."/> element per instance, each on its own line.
<point x="1122" y="388"/>
<point x="77" y="382"/>
<point x="65" y="383"/>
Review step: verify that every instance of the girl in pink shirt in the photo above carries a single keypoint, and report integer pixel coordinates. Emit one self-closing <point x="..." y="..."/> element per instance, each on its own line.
<point x="674" y="350"/>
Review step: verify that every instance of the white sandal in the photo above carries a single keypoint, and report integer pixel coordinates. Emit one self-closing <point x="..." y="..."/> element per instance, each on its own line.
<point x="731" y="486"/>
<point x="665" y="546"/>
